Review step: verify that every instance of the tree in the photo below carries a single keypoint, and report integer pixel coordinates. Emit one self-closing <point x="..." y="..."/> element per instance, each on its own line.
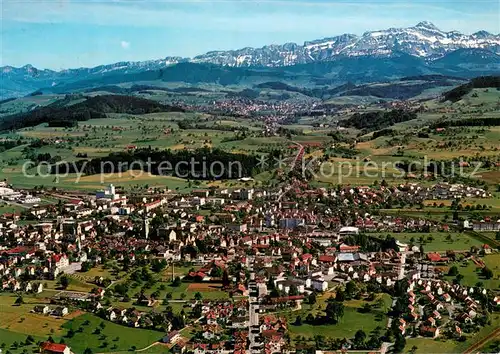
<point x="400" y="343"/>
<point x="19" y="301"/>
<point x="298" y="321"/>
<point x="360" y="337"/>
<point x="121" y="289"/>
<point x="293" y="290"/>
<point x="312" y="298"/>
<point x="198" y="296"/>
<point x="64" y="281"/>
<point x="487" y="273"/>
<point x="340" y="295"/>
<point x="334" y="311"/>
<point x="176" y="282"/>
<point x="225" y="279"/>
<point x="197" y="311"/>
<point x="453" y="271"/>
<point x="350" y="289"/>
<point x="366" y="308"/>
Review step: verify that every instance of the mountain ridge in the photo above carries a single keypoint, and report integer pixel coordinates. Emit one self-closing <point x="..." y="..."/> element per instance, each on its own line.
<point x="423" y="41"/>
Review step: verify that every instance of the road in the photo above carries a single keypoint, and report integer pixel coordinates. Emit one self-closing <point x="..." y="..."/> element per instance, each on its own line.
<point x="253" y="315"/>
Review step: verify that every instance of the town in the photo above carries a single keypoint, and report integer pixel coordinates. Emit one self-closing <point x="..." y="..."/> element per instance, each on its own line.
<point x="248" y="270"/>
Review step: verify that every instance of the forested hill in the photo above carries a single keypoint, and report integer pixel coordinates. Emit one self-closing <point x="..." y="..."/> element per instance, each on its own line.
<point x="93" y="107"/>
<point x="378" y="120"/>
<point x="479" y="82"/>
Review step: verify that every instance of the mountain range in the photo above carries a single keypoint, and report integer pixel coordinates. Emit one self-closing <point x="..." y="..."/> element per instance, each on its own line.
<point x="395" y="52"/>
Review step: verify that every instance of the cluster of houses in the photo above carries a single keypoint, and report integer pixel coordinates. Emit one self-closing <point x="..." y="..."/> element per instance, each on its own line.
<point x="59" y="311"/>
<point x="24" y="268"/>
<point x="432" y="305"/>
<point x="293" y="239"/>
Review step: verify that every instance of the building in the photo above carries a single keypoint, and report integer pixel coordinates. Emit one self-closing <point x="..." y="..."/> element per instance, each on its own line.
<point x="348" y="231"/>
<point x="108" y="193"/>
<point x="54" y="348"/>
<point x="60" y="261"/>
<point x="171" y="337"/>
<point x="291" y="223"/>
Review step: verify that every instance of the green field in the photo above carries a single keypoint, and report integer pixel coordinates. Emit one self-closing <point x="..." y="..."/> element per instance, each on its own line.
<point x="7" y="208"/>
<point x="127" y="336"/>
<point x="352" y="321"/>
<point x="346" y="328"/>
<point x="7" y="338"/>
<point x="472" y="274"/>
<point x="458" y="242"/>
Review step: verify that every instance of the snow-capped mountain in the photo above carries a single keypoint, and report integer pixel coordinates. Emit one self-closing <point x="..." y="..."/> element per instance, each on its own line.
<point x="424" y="41"/>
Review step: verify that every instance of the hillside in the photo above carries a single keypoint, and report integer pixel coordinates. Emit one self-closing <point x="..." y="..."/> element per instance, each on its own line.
<point x="61" y="114"/>
<point x="480" y="82"/>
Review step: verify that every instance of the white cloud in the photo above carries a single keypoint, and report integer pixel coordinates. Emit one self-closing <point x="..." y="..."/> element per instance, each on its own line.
<point x="125" y="44"/>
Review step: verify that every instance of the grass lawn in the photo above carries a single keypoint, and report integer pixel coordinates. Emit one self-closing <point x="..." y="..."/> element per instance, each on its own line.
<point x="472" y="273"/>
<point x="177" y="292"/>
<point x="75" y="284"/>
<point x="7" y="209"/>
<point x="100" y="271"/>
<point x="348" y="325"/>
<point x="127" y="336"/>
<point x="428" y="345"/>
<point x="346" y="328"/>
<point x="459" y="241"/>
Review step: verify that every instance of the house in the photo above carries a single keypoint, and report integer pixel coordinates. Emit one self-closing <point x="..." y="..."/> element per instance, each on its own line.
<point x="427" y="331"/>
<point x="60" y="261"/>
<point x="349" y="231"/>
<point x="54" y="348"/>
<point x="171" y="337"/>
<point x="434" y="257"/>
<point x="60" y="311"/>
<point x="179" y="347"/>
<point x="41" y="309"/>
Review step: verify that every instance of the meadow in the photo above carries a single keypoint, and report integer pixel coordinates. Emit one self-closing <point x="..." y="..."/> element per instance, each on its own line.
<point x="440" y="242"/>
<point x="472" y="274"/>
<point x="112" y="337"/>
<point x="352" y="321"/>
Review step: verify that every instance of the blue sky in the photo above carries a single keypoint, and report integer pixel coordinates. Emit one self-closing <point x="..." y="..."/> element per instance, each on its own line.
<point x="60" y="34"/>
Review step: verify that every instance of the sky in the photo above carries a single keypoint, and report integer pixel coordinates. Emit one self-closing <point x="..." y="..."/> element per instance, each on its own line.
<point x="61" y="34"/>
